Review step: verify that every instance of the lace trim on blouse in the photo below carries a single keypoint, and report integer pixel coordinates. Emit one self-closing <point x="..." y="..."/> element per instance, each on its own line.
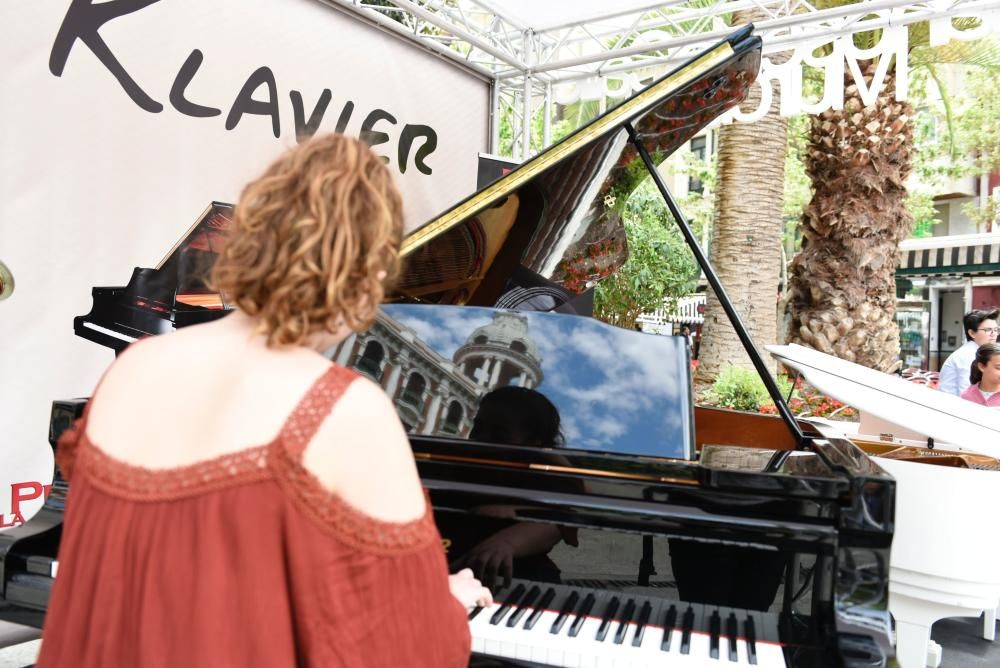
<point x="280" y="460"/>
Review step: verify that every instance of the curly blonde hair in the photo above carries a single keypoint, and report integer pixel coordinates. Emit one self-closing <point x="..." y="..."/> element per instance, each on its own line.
<point x="310" y="240"/>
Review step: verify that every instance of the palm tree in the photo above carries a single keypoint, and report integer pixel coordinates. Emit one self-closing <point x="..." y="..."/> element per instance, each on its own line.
<point x="746" y="238"/>
<point x="842" y="282"/>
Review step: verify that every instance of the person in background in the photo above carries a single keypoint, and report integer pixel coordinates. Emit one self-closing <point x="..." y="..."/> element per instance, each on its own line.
<point x="984" y="377"/>
<point x="258" y="505"/>
<point x="980" y="329"/>
<point x="686" y="333"/>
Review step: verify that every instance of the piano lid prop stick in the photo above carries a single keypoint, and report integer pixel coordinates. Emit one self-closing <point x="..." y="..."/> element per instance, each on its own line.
<point x="720" y="292"/>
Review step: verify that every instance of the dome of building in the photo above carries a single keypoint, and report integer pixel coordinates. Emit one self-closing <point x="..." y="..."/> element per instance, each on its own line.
<point x="506" y="330"/>
<point x="501" y="353"/>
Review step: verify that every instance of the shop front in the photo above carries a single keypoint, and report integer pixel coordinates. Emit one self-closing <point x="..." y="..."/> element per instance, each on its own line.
<point x="938" y="280"/>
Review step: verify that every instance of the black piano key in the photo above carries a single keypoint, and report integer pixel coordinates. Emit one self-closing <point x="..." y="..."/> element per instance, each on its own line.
<point x="509" y="601"/>
<point x="687" y="625"/>
<point x="524" y="605"/>
<point x="669" y="622"/>
<point x="543" y="604"/>
<point x="732" y="633"/>
<point x="751" y="636"/>
<point x="640" y="626"/>
<point x="626" y="619"/>
<point x="609" y="613"/>
<point x="581" y="615"/>
<point x="475" y="611"/>
<point x="568" y="607"/>
<point x="714" y="629"/>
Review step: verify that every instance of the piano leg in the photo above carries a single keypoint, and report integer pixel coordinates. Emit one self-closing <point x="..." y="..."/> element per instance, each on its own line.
<point x="915" y="613"/>
<point x="911" y="643"/>
<point x="990" y="624"/>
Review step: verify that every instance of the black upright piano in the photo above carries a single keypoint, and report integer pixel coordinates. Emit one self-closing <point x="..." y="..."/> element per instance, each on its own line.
<point x="617" y="523"/>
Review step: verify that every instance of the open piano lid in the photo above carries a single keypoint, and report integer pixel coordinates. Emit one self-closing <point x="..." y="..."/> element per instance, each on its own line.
<point x="932" y="413"/>
<point x="550" y="229"/>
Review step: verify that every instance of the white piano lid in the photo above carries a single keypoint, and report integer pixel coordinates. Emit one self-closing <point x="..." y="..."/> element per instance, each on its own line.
<point x="932" y="413"/>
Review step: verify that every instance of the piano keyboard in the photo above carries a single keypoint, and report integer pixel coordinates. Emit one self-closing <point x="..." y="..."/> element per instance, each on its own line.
<point x="558" y="625"/>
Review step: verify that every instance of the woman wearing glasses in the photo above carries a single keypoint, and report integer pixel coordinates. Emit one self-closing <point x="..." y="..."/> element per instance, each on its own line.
<point x="980" y="329"/>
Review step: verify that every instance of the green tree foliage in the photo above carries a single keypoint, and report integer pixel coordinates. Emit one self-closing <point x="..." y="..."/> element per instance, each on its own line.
<point x="659" y="267"/>
<point x="979" y="123"/>
<point x="798" y="187"/>
<point x="978" y="130"/>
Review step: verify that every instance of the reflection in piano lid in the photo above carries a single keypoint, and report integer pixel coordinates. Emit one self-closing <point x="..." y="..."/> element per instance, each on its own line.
<point x="609" y="389"/>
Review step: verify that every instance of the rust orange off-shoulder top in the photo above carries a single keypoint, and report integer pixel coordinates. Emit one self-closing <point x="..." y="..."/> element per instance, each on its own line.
<point x="243" y="560"/>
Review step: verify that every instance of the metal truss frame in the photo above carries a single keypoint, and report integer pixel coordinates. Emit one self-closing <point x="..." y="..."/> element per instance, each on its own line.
<point x="524" y="62"/>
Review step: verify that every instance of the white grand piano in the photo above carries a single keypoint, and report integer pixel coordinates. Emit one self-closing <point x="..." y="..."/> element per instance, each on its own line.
<point x="944" y="553"/>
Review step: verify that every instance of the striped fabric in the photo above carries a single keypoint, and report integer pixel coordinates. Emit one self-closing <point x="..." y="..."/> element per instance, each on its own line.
<point x="954" y="260"/>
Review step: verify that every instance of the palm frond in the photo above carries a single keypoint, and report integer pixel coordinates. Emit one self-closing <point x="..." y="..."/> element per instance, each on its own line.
<point x="919" y="33"/>
<point x="984" y="53"/>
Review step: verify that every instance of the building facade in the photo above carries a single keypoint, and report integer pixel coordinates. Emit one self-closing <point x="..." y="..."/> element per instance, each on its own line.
<point x="434" y="394"/>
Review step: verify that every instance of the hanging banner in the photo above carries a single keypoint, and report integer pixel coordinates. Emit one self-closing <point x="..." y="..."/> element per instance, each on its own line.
<point x="123" y="119"/>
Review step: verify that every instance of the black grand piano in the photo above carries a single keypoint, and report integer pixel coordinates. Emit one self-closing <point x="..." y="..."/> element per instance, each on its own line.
<point x="640" y="530"/>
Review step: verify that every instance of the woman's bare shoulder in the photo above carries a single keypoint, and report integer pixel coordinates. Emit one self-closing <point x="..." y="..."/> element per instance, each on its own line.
<point x="361" y="453"/>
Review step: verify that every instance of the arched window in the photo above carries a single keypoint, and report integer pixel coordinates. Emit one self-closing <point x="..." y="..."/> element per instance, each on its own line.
<point x="453" y="418"/>
<point x="518" y="347"/>
<point x="414" y="390"/>
<point x="370" y="362"/>
<point x="480" y="340"/>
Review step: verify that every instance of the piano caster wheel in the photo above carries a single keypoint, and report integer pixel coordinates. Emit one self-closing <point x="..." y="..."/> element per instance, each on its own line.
<point x="933" y="654"/>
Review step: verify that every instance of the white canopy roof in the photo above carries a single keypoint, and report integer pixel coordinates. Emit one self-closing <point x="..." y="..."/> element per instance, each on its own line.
<point x="932" y="413"/>
<point x="542" y="51"/>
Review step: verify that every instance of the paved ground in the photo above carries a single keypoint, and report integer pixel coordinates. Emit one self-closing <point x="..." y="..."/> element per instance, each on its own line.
<point x="961" y="639"/>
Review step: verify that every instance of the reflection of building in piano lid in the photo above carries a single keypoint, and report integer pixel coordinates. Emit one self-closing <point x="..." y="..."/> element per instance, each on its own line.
<point x="434" y="395"/>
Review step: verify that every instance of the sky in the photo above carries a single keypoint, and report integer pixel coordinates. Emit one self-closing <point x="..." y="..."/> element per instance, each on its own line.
<point x="616" y="390"/>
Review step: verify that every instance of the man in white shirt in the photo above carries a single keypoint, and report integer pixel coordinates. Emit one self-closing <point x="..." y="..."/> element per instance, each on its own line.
<point x="980" y="328"/>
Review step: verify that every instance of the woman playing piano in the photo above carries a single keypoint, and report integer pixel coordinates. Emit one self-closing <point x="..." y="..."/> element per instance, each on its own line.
<point x="236" y="499"/>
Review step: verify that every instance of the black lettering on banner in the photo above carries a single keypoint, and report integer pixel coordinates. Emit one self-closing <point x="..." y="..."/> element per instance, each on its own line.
<point x="345" y="117"/>
<point x="184" y="76"/>
<point x="305" y="129"/>
<point x="245" y="104"/>
<point x="82" y="22"/>
<point x="374" y="137"/>
<point x="85" y="18"/>
<point x="411" y="132"/>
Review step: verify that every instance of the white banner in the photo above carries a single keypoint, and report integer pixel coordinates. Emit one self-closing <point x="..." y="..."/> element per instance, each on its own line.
<point x="122" y="120"/>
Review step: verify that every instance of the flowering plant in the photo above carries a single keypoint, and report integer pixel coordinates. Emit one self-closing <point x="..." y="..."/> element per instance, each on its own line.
<point x="742" y="389"/>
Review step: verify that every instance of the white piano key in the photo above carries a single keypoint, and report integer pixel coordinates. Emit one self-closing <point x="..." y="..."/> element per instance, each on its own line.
<point x="769" y="655"/>
<point x="482" y="630"/>
<point x="591" y="651"/>
<point x="541" y="646"/>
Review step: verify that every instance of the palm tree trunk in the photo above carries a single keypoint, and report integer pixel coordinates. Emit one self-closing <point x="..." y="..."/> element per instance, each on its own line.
<point x="746" y="239"/>
<point x="843" y="290"/>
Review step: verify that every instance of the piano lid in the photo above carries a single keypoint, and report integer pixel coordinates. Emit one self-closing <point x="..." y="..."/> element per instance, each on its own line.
<point x="932" y="413"/>
<point x="551" y="229"/>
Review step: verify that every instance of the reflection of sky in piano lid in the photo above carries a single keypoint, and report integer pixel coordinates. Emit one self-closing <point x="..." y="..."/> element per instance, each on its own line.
<point x="616" y="390"/>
